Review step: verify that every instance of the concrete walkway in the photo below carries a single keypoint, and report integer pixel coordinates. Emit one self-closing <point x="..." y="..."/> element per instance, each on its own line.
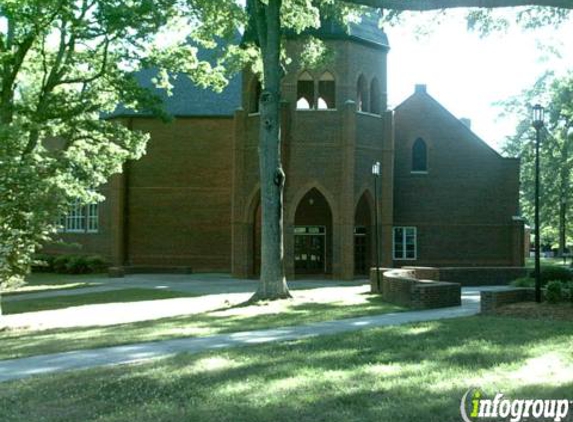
<point x="21" y="368"/>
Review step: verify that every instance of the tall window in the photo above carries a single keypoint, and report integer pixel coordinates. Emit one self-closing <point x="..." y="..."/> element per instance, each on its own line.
<point x="405" y="246"/>
<point x="419" y="156"/>
<point x="374" y="97"/>
<point x="362" y="94"/>
<point x="305" y="92"/>
<point x="255" y="96"/>
<point x="326" y="91"/>
<point x="81" y="218"/>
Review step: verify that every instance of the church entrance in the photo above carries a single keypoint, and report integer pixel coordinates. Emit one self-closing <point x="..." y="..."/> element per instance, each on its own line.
<point x="313" y="235"/>
<point x="309" y="249"/>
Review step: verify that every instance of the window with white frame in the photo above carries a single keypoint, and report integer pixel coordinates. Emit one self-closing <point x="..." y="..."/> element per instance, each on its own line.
<point x="81" y="218"/>
<point x="405" y="246"/>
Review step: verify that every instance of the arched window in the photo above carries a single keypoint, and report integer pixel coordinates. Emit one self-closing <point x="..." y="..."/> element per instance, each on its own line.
<point x="374" y="97"/>
<point x="326" y="91"/>
<point x="419" y="156"/>
<point x="255" y="96"/>
<point x="362" y="94"/>
<point x="305" y="91"/>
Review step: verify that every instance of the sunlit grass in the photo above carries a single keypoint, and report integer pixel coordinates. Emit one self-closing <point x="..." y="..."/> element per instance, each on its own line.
<point x="114" y="296"/>
<point x="403" y="373"/>
<point x="40" y="282"/>
<point x="307" y="306"/>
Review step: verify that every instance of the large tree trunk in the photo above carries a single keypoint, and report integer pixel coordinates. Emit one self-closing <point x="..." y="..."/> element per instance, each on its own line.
<point x="273" y="281"/>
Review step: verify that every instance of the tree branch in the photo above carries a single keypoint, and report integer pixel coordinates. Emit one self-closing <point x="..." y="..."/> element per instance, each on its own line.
<point x="425" y="5"/>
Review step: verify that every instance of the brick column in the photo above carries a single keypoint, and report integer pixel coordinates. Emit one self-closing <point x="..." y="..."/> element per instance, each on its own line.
<point x="117" y="219"/>
<point x="241" y="253"/>
<point x="344" y="242"/>
<point x="518" y="242"/>
<point x="386" y="209"/>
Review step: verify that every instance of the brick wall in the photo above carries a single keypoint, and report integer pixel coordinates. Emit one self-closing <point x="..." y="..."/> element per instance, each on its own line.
<point x="491" y="300"/>
<point x="471" y="276"/>
<point x="463" y="207"/>
<point x="179" y="195"/>
<point x="401" y="287"/>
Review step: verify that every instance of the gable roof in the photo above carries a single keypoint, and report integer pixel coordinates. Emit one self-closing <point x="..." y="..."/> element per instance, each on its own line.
<point x="422" y="94"/>
<point x="187" y="99"/>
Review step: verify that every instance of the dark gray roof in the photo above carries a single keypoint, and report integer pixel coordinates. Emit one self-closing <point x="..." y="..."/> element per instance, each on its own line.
<point x="188" y="99"/>
<point x="366" y="31"/>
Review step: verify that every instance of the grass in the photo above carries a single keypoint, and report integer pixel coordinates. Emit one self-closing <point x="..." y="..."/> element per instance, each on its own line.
<point x="404" y="373"/>
<point x="41" y="282"/>
<point x="114" y="296"/>
<point x="21" y="343"/>
<point x="530" y="262"/>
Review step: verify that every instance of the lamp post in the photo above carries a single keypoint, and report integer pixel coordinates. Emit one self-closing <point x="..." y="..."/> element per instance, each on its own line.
<point x="537" y="123"/>
<point x="376" y="174"/>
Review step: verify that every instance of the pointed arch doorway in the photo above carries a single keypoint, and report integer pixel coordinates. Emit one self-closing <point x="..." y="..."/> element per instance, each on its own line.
<point x="313" y="235"/>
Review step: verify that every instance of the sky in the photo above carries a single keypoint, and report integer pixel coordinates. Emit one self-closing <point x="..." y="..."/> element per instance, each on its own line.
<point x="467" y="74"/>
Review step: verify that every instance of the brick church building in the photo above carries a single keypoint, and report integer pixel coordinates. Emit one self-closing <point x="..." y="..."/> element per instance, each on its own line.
<point x="445" y="198"/>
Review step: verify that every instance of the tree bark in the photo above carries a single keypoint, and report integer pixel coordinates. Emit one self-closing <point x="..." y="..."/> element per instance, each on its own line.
<point x="273" y="283"/>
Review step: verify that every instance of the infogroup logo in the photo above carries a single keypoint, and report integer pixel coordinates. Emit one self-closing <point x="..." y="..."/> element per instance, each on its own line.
<point x="475" y="406"/>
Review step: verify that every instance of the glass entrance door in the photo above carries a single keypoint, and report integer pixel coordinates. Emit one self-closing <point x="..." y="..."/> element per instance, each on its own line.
<point x="309" y="248"/>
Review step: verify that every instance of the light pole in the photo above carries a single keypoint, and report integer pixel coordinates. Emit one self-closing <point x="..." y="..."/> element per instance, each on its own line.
<point x="537" y="123"/>
<point x="376" y="174"/>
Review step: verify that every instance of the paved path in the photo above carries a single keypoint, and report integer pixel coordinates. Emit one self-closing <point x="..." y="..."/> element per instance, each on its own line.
<point x="25" y="367"/>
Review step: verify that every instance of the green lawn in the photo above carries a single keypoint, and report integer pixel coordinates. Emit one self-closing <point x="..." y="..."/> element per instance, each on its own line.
<point x="41" y="282"/>
<point x="20" y="343"/>
<point x="530" y="262"/>
<point x="406" y="373"/>
<point x="115" y="296"/>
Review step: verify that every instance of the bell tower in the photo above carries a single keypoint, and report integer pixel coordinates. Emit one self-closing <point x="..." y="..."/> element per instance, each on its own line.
<point x="335" y="125"/>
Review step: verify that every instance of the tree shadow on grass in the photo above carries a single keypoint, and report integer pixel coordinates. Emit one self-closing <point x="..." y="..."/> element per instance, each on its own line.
<point x="411" y="373"/>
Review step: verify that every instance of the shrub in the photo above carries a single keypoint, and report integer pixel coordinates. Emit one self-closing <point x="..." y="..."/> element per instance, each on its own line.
<point x="79" y="264"/>
<point x="554" y="272"/>
<point x="523" y="282"/>
<point x="569" y="293"/>
<point x="43" y="263"/>
<point x="96" y="264"/>
<point x="554" y="291"/>
<point x="60" y="263"/>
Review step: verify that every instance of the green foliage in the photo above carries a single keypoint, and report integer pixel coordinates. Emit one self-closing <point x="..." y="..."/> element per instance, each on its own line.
<point x="523" y="282"/>
<point x="554" y="291"/>
<point x="78" y="264"/>
<point x="43" y="263"/>
<point x="61" y="65"/>
<point x="555" y="272"/>
<point x="556" y="152"/>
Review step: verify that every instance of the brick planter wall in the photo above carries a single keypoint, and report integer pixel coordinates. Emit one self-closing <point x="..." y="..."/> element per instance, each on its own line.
<point x="402" y="287"/>
<point x="494" y="299"/>
<point x="431" y="294"/>
<point x="471" y="276"/>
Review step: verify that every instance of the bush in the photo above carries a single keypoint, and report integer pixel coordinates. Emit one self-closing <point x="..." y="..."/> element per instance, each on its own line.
<point x="43" y="263"/>
<point x="60" y="263"/>
<point x="523" y="282"/>
<point x="96" y="264"/>
<point x="569" y="293"/>
<point x="554" y="291"/>
<point x="554" y="272"/>
<point x="79" y="264"/>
